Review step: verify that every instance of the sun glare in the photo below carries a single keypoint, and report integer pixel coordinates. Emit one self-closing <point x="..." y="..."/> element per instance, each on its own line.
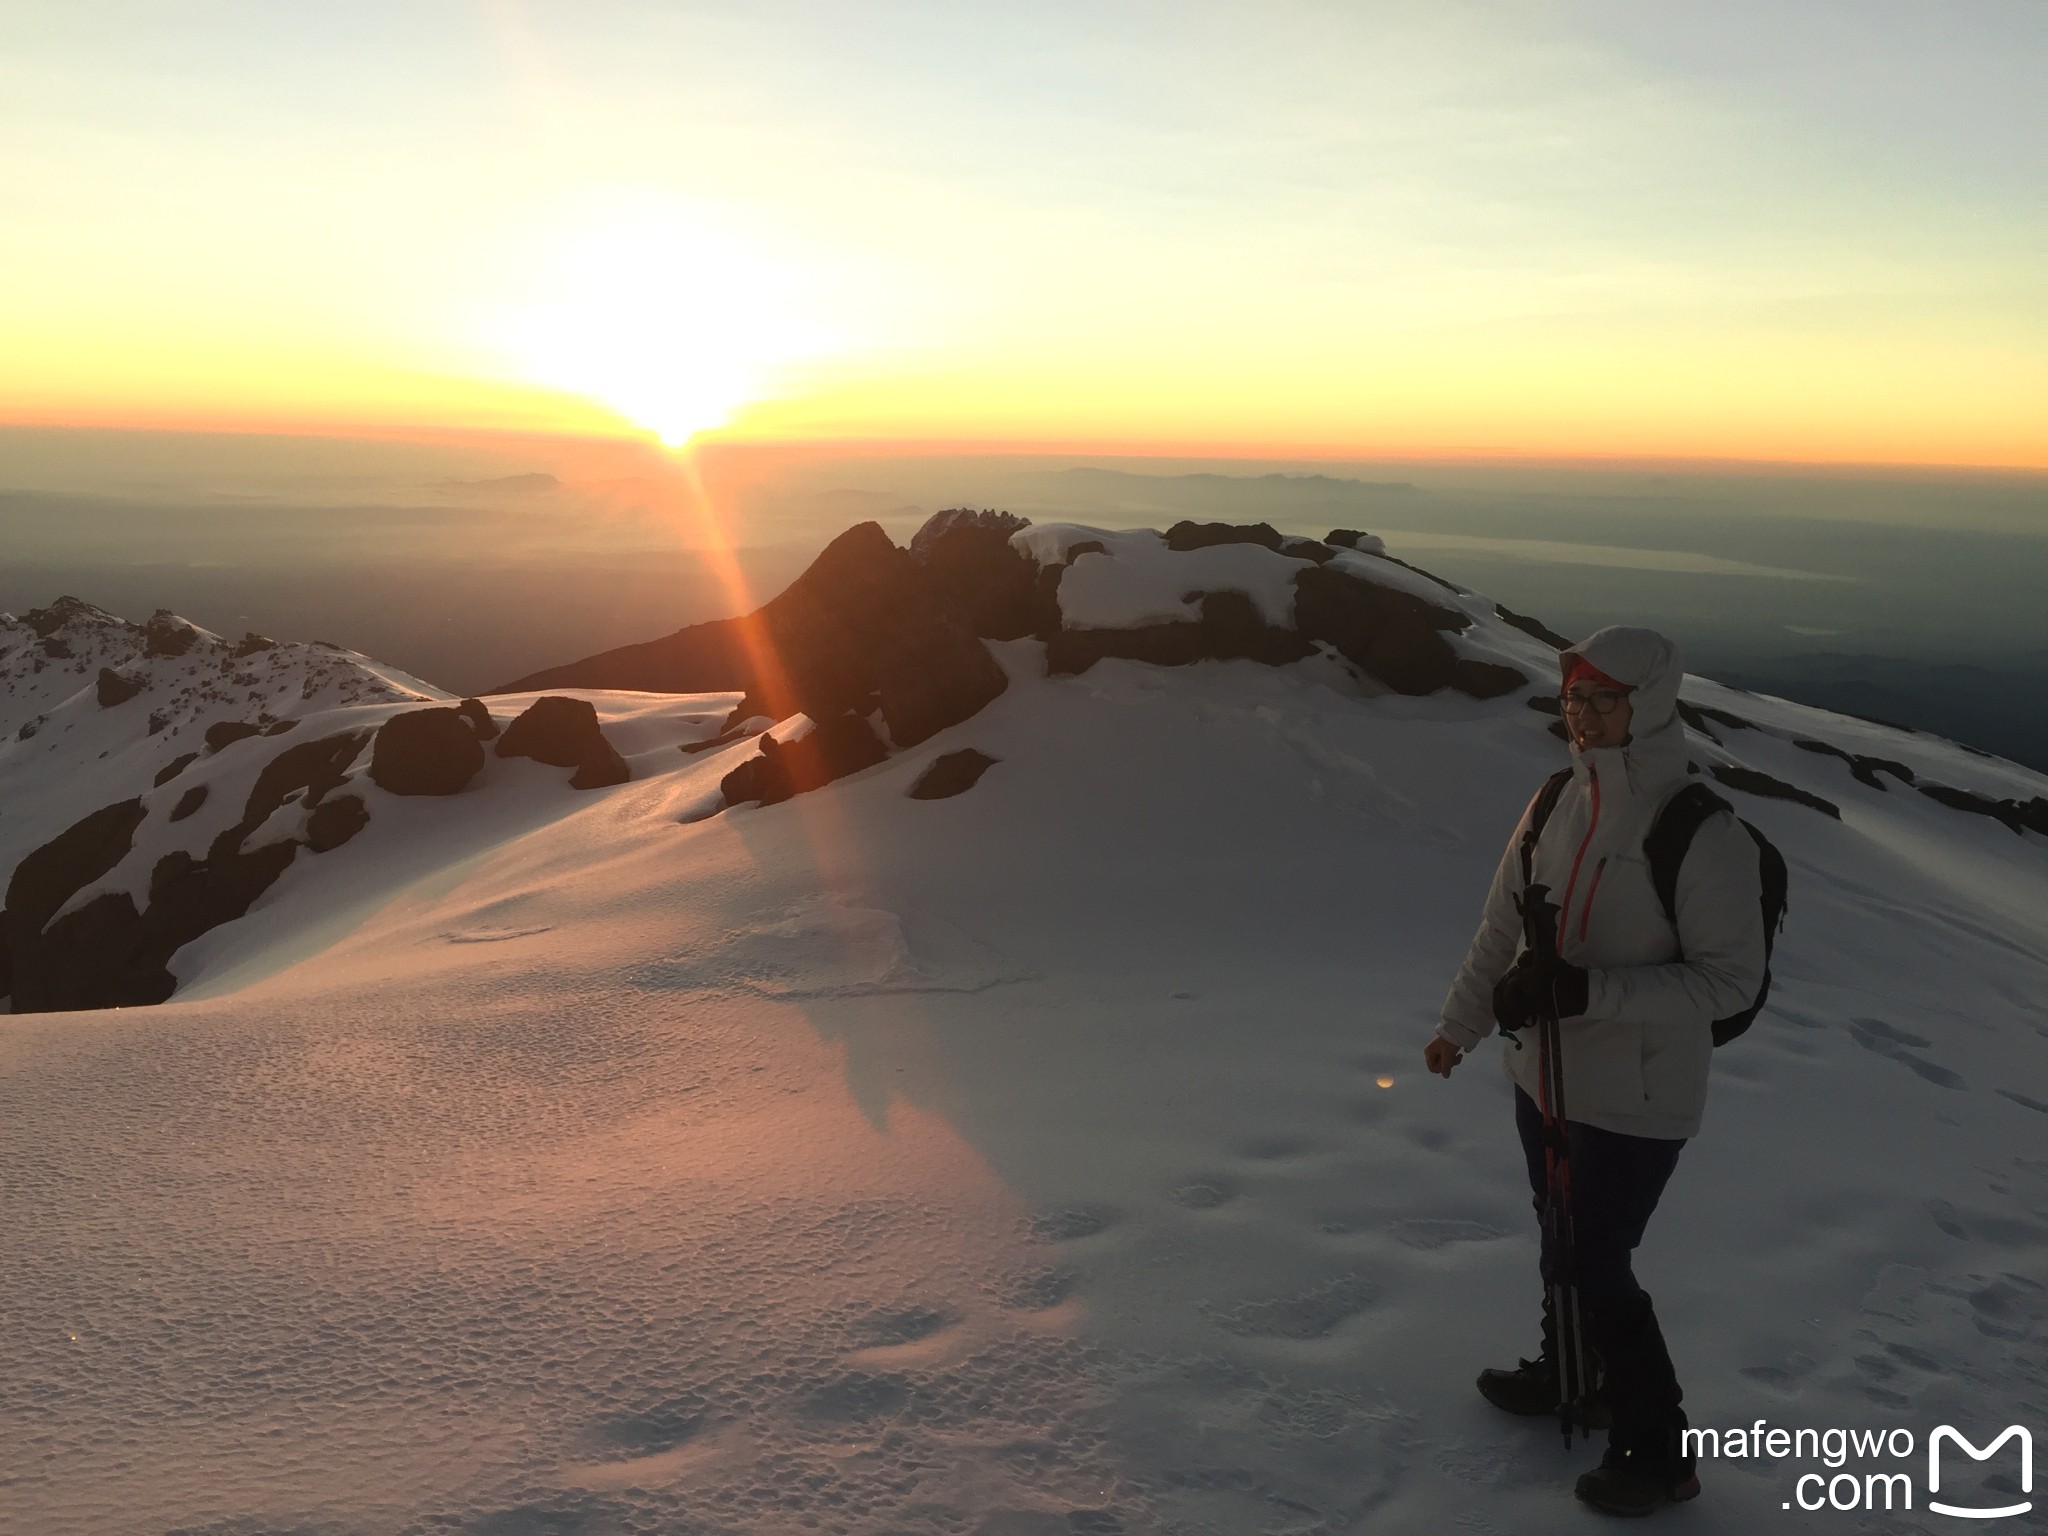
<point x="658" y="313"/>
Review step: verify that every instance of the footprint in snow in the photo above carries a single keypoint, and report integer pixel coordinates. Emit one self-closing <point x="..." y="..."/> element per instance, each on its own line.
<point x="1073" y="1224"/>
<point x="1886" y="1040"/>
<point x="1278" y="1149"/>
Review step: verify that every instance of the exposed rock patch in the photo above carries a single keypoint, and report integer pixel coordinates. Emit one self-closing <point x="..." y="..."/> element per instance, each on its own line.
<point x="980" y="577"/>
<point x="112" y="688"/>
<point x="1389" y="634"/>
<point x="2020" y="816"/>
<point x="106" y="953"/>
<point x="1230" y="629"/>
<point x="479" y="719"/>
<point x="225" y="733"/>
<point x="951" y="773"/>
<point x="556" y="730"/>
<point x="603" y="768"/>
<point x="564" y="733"/>
<point x="1755" y="782"/>
<point x="1185" y="535"/>
<point x="189" y="802"/>
<point x="167" y="635"/>
<point x="1866" y="769"/>
<point x="834" y="748"/>
<point x="1534" y="628"/>
<point x="427" y="752"/>
<point x="334" y="821"/>
<point x="864" y="628"/>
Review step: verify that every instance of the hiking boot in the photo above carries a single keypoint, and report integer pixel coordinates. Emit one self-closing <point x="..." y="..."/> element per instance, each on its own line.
<point x="1530" y="1390"/>
<point x="1626" y="1484"/>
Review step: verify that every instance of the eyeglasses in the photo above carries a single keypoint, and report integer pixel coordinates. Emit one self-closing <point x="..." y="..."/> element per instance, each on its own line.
<point x="1602" y="701"/>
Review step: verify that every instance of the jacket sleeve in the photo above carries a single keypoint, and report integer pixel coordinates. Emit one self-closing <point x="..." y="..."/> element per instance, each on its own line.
<point x="1467" y="1015"/>
<point x="1720" y="936"/>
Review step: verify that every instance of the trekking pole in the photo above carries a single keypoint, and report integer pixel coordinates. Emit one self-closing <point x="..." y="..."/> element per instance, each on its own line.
<point x="1539" y="931"/>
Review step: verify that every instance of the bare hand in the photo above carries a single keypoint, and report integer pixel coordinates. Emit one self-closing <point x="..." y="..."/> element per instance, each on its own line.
<point x="1440" y="1055"/>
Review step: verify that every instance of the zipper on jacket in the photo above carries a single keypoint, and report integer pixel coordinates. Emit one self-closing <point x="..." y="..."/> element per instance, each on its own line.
<point x="1564" y="913"/>
<point x="1586" y="912"/>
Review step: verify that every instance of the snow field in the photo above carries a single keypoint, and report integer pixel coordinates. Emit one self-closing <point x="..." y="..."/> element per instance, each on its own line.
<point x="1010" y="1164"/>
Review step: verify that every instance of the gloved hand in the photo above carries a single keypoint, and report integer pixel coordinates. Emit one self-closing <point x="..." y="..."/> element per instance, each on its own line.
<point x="1513" y="1008"/>
<point x="1520" y="996"/>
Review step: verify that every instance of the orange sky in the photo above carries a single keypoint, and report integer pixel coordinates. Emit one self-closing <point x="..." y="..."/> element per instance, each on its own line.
<point x="1564" y="232"/>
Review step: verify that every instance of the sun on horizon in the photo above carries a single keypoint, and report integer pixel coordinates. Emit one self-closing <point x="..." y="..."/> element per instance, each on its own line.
<point x="657" y="312"/>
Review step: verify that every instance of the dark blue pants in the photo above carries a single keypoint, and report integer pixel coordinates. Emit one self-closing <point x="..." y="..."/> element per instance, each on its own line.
<point x="1615" y="1181"/>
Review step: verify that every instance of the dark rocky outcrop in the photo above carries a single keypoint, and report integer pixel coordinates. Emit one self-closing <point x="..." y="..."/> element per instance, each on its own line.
<point x="1448" y="586"/>
<point x="225" y="733"/>
<point x="108" y="953"/>
<point x="564" y="733"/>
<point x="54" y="873"/>
<point x="951" y="773"/>
<point x="251" y="644"/>
<point x="47" y="621"/>
<point x="426" y="752"/>
<point x="2019" y="816"/>
<point x="479" y="719"/>
<point x="167" y="635"/>
<point x="1389" y="634"/>
<point x="1297" y="548"/>
<point x="1865" y="769"/>
<point x="724" y="738"/>
<point x="312" y="768"/>
<point x="1753" y="781"/>
<point x="835" y="747"/>
<point x="988" y="585"/>
<point x="334" y="821"/>
<point x="601" y="769"/>
<point x="174" y="767"/>
<point x="1345" y="538"/>
<point x="1230" y="628"/>
<point x="555" y="730"/>
<point x="1535" y="628"/>
<point x="1185" y="535"/>
<point x="189" y="802"/>
<point x="112" y="688"/>
<point x="951" y="521"/>
<point x="56" y="647"/>
<point x="862" y="629"/>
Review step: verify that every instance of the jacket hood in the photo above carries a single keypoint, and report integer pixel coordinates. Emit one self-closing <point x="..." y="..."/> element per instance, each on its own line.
<point x="1649" y="665"/>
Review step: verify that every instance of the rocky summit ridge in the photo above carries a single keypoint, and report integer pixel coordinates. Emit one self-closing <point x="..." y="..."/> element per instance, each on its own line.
<point x="159" y="780"/>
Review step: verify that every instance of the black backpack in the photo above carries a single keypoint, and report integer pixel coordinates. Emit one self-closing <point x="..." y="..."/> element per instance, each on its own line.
<point x="1669" y="838"/>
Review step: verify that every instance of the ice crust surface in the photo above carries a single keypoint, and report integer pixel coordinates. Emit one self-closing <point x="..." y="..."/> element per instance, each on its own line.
<point x="1004" y="1165"/>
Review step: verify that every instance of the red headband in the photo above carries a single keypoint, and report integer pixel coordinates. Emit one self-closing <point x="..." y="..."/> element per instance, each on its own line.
<point x="1578" y="669"/>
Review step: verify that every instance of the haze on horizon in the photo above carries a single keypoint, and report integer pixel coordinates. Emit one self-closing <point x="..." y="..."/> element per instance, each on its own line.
<point x="1802" y="232"/>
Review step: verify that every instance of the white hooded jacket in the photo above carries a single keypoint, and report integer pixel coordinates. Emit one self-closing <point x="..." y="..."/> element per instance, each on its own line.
<point x="1636" y="1061"/>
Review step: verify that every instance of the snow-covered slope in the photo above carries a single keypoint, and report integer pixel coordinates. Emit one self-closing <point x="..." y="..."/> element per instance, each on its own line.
<point x="91" y="704"/>
<point x="1055" y="1157"/>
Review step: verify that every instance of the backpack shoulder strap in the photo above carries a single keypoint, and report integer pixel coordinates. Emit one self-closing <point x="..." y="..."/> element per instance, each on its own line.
<point x="1671" y="837"/>
<point x="1539" y="812"/>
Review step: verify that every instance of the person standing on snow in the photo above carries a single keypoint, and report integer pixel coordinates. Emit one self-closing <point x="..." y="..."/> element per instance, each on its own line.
<point x="1636" y="1000"/>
